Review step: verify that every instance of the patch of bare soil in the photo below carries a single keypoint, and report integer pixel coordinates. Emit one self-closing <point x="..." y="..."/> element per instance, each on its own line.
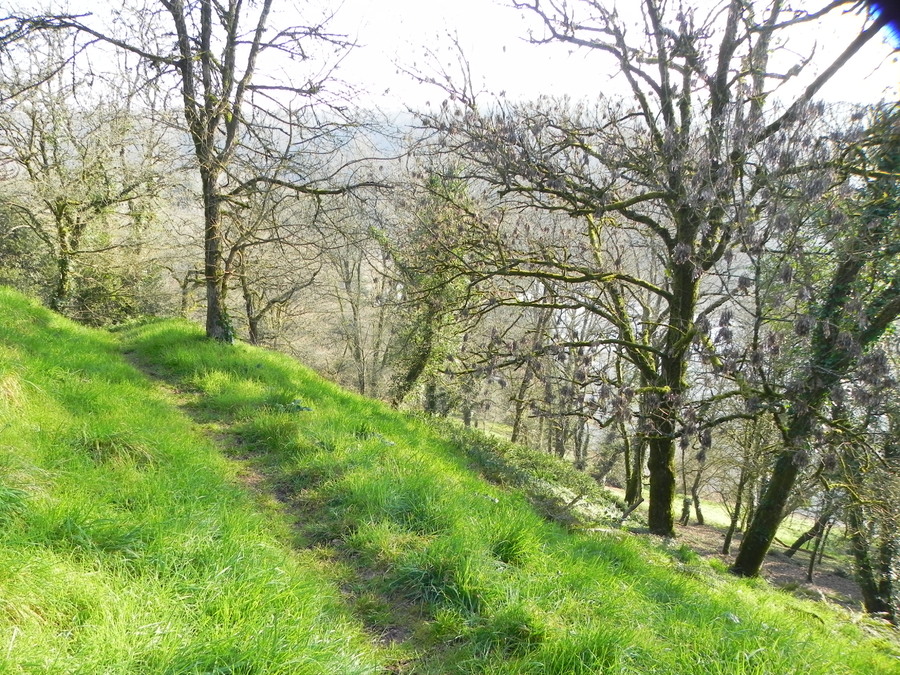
<point x="831" y="581"/>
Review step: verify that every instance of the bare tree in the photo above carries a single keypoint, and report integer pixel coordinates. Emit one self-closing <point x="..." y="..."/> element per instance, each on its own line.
<point x="84" y="174"/>
<point x="230" y="66"/>
<point x="678" y="170"/>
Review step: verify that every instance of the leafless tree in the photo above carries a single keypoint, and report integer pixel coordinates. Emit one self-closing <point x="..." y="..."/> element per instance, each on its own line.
<point x="83" y="172"/>
<point x="241" y="74"/>
<point x="677" y="171"/>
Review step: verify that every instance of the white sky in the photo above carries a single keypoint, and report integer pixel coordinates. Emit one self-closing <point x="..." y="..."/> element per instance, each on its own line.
<point x="396" y="33"/>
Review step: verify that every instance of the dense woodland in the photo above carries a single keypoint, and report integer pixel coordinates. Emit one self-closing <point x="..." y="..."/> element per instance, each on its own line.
<point x="691" y="291"/>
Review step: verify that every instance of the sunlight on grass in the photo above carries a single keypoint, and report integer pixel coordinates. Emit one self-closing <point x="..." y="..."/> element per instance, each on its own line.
<point x="366" y="542"/>
<point x="125" y="546"/>
<point x="466" y="569"/>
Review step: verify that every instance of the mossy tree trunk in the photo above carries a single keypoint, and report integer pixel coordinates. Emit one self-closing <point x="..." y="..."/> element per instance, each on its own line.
<point x="859" y="305"/>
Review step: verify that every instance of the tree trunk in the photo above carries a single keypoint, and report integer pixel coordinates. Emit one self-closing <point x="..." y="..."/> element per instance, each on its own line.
<point x="521" y="404"/>
<point x="626" y="460"/>
<point x="69" y="235"/>
<point x="695" y="497"/>
<point x="752" y="493"/>
<point x="736" y="514"/>
<point x="218" y="323"/>
<point x="559" y="438"/>
<point x="686" y="500"/>
<point x="582" y="438"/>
<point x="663" y="403"/>
<point x="887" y="553"/>
<point x="818" y="545"/>
<point x="768" y="516"/>
<point x="250" y="308"/>
<point x="63" y="287"/>
<point x="685" y="512"/>
<point x="185" y="285"/>
<point x="634" y="481"/>
<point x="661" y="518"/>
<point x="415" y="369"/>
<point x="603" y="469"/>
<point x="431" y="397"/>
<point x="813" y="532"/>
<point x="873" y="600"/>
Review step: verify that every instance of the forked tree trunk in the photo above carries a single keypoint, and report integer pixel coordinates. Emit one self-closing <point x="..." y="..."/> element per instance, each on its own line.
<point x="767" y="517"/>
<point x="814" y="532"/>
<point x="873" y="600"/>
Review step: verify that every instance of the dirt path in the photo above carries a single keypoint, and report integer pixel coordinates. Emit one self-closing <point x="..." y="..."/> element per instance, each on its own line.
<point x="831" y="580"/>
<point x="262" y="476"/>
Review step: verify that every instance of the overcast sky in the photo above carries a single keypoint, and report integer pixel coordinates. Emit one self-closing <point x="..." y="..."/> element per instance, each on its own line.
<point x="396" y="33"/>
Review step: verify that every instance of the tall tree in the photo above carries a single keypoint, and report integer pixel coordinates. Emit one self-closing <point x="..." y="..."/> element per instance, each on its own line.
<point x="856" y="303"/>
<point x="84" y="174"/>
<point x="432" y="289"/>
<point x="230" y="67"/>
<point x="677" y="173"/>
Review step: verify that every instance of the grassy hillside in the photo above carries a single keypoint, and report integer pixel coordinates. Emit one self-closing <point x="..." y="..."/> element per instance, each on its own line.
<point x="327" y="534"/>
<point x="125" y="545"/>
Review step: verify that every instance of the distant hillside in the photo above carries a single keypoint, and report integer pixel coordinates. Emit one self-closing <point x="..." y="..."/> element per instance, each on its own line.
<point x="228" y="511"/>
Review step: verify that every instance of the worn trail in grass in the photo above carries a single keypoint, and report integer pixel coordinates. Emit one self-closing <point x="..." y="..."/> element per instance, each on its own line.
<point x="458" y="574"/>
<point x="126" y="546"/>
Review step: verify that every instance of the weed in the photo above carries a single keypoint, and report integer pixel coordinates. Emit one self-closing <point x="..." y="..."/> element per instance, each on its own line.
<point x="273" y="429"/>
<point x="513" y="630"/>
<point x="293" y="406"/>
<point x="11" y="394"/>
<point x="13" y="503"/>
<point x="449" y="625"/>
<point x="443" y="574"/>
<point x="718" y="565"/>
<point x="117" y="446"/>
<point x="686" y="555"/>
<point x="591" y="650"/>
<point x="88" y="535"/>
<point x="512" y="540"/>
<point x="409" y="502"/>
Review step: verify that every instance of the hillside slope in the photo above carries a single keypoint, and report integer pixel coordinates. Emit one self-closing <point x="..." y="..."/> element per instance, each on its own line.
<point x="125" y="546"/>
<point x="325" y="534"/>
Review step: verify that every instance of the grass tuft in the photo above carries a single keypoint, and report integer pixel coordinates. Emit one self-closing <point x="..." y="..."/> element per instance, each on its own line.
<point x="442" y="574"/>
<point x="113" y="446"/>
<point x="513" y="630"/>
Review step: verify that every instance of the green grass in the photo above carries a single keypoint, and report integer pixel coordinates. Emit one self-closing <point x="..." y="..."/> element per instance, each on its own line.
<point x="125" y="545"/>
<point x="130" y="544"/>
<point x="440" y="545"/>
